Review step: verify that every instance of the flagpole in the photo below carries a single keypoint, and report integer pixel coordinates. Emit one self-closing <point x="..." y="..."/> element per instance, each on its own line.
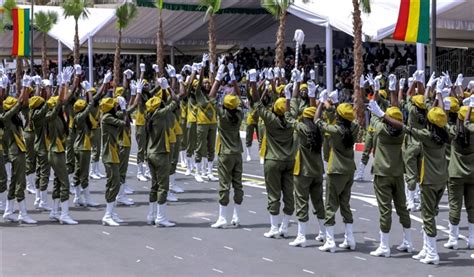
<point x="31" y="38"/>
<point x="433" y="36"/>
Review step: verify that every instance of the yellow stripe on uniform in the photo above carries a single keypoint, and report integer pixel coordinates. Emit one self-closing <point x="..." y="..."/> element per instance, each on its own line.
<point x="413" y="21"/>
<point x="422" y="170"/>
<point x="263" y="148"/>
<point x="331" y="154"/>
<point x="297" y="168"/>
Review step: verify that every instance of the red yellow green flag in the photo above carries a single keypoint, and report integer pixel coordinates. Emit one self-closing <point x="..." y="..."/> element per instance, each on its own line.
<point x="413" y="23"/>
<point x="21" y="32"/>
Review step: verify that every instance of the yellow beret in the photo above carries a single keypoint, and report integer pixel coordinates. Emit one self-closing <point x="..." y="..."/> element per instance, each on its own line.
<point x="195" y="84"/>
<point x="52" y="101"/>
<point x="280" y="106"/>
<point x="303" y="86"/>
<point x="467" y="94"/>
<point x="107" y="104"/>
<point x="383" y="93"/>
<point x="79" y="105"/>
<point x="9" y="102"/>
<point x="206" y="80"/>
<point x="346" y="111"/>
<point x="145" y="82"/>
<point x="231" y="101"/>
<point x="463" y="113"/>
<point x="395" y="113"/>
<point x="419" y="101"/>
<point x="280" y="89"/>
<point x="454" y="104"/>
<point x="29" y="90"/>
<point x="438" y="117"/>
<point x="35" y="102"/>
<point x="309" y="112"/>
<point x="118" y="91"/>
<point x="92" y="90"/>
<point x="152" y="104"/>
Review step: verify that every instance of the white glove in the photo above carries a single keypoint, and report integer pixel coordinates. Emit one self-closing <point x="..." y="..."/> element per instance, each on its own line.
<point x="194" y="68"/>
<point x="205" y="58"/>
<point x="252" y="75"/>
<point x="370" y="79"/>
<point x="410" y="81"/>
<point x="140" y="85"/>
<point x="471" y="104"/>
<point x="46" y="83"/>
<point x="78" y="69"/>
<point x="128" y="73"/>
<point x="58" y="79"/>
<point x="142" y="67"/>
<point x="26" y="81"/>
<point x="418" y="75"/>
<point x="267" y="85"/>
<point x="377" y="82"/>
<point x="156" y="68"/>
<point x="179" y="77"/>
<point x="312" y="89"/>
<point x="186" y="67"/>
<point x="466" y="101"/>
<point x="163" y="83"/>
<point x="276" y="72"/>
<point x="269" y="74"/>
<point x="171" y="71"/>
<point x="122" y="103"/>
<point x="133" y="88"/>
<point x="459" y="80"/>
<point x="470" y="85"/>
<point x="37" y="79"/>
<point x="392" y="82"/>
<point x="220" y="72"/>
<point x="67" y="74"/>
<point x="263" y="73"/>
<point x="447" y="104"/>
<point x="107" y="77"/>
<point x="232" y="75"/>
<point x="295" y="75"/>
<point x="440" y="85"/>
<point x="282" y="72"/>
<point x="323" y="96"/>
<point x="375" y="109"/>
<point x="432" y="80"/>
<point x="362" y="81"/>
<point x="334" y="97"/>
<point x="312" y="74"/>
<point x="445" y="92"/>
<point x="288" y="89"/>
<point x="220" y="60"/>
<point x="51" y="79"/>
<point x="401" y="83"/>
<point x="86" y="85"/>
<point x="1" y="82"/>
<point x="447" y="79"/>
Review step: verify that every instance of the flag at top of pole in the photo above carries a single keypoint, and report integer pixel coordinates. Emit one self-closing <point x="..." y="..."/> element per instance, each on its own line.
<point x="21" y="32"/>
<point x="413" y="23"/>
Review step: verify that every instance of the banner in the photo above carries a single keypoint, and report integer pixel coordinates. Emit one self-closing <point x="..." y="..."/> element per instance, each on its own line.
<point x="21" y="32"/>
<point x="413" y="23"/>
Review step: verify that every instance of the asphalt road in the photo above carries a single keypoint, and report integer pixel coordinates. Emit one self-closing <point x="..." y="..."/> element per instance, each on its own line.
<point x="194" y="249"/>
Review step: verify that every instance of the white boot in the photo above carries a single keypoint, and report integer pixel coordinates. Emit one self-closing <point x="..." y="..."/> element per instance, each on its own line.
<point x="417" y="194"/>
<point x="407" y="244"/>
<point x="78" y="202"/>
<point x="30" y="183"/>
<point x="262" y="160"/>
<point x="284" y="225"/>
<point x="173" y="187"/>
<point x="150" y="217"/>
<point x="182" y="158"/>
<point x="222" y="219"/>
<point x="170" y="197"/>
<point x="161" y="219"/>
<point x="210" y="175"/>
<point x="411" y="201"/>
<point x="23" y="214"/>
<point x="432" y="252"/>
<point x="189" y="166"/>
<point x="127" y="189"/>
<point x="107" y="219"/>
<point x="322" y="231"/>
<point x="43" y="204"/>
<point x="422" y="254"/>
<point x="203" y="168"/>
<point x="236" y="215"/>
<point x="65" y="218"/>
<point x="329" y="245"/>
<point x="140" y="173"/>
<point x="197" y="175"/>
<point x="349" y="241"/>
<point x="92" y="174"/>
<point x="470" y="242"/>
<point x="122" y="199"/>
<point x="88" y="199"/>
<point x="3" y="201"/>
<point x="37" y="198"/>
<point x="247" y="152"/>
<point x="146" y="170"/>
<point x="453" y="237"/>
<point x="301" y="237"/>
<point x="274" y="232"/>
<point x="9" y="215"/>
<point x="97" y="171"/>
<point x="384" y="247"/>
<point x="72" y="189"/>
<point x="360" y="172"/>
<point x="54" y="214"/>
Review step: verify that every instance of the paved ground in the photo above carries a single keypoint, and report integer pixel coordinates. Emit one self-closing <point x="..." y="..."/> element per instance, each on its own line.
<point x="193" y="248"/>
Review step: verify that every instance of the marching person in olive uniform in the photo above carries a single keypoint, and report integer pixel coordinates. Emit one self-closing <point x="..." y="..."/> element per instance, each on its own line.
<point x="191" y="125"/>
<point x="94" y="118"/>
<point x="340" y="171"/>
<point x="14" y="141"/>
<point x="57" y="131"/>
<point x="252" y="125"/>
<point x="30" y="148"/>
<point x="461" y="175"/>
<point x="229" y="149"/>
<point x="140" y="131"/>
<point x="158" y="153"/>
<point x="308" y="170"/>
<point x="388" y="181"/>
<point x="278" y="145"/>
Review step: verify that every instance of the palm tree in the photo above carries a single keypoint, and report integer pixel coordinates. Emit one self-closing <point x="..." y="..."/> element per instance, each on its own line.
<point x="77" y="9"/>
<point x="8" y="6"/>
<point x="124" y="13"/>
<point x="358" y="62"/>
<point x="278" y="9"/>
<point x="213" y="7"/>
<point x="44" y="21"/>
<point x="160" y="44"/>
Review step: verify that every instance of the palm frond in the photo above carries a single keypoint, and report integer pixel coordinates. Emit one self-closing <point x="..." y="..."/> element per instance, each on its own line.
<point x="213" y="6"/>
<point x="125" y="14"/>
<point x="365" y="5"/>
<point x="159" y="4"/>
<point x="44" y="21"/>
<point x="276" y="7"/>
<point x="8" y="5"/>
<point x="75" y="8"/>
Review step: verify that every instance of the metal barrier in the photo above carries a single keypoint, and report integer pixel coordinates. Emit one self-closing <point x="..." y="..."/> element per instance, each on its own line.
<point x="456" y="61"/>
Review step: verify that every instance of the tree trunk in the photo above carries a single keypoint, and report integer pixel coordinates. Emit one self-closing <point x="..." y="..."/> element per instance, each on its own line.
<point x="160" y="48"/>
<point x="76" y="44"/>
<point x="280" y="41"/>
<point x="358" y="64"/>
<point x="212" y="39"/>
<point x="18" y="73"/>
<point x="118" y="49"/>
<point x="44" y="66"/>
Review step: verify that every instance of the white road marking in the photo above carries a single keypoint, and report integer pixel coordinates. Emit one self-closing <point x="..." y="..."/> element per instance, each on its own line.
<point x="264" y="193"/>
<point x="105" y="233"/>
<point x="149" y="247"/>
<point x="23" y="254"/>
<point x="267" y="259"/>
<point x="205" y="218"/>
<point x="252" y="212"/>
<point x="248" y="195"/>
<point x="229" y="248"/>
<point x="145" y="187"/>
<point x="247" y="229"/>
<point x="139" y="261"/>
<point x="186" y="183"/>
<point x="218" y="270"/>
<point x="370" y="239"/>
<point x="353" y="210"/>
<point x="212" y="188"/>
<point x="196" y="238"/>
<point x="365" y="205"/>
<point x="363" y="218"/>
<point x="445" y="220"/>
<point x="178" y="257"/>
<point x="308" y="271"/>
<point x="360" y="258"/>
